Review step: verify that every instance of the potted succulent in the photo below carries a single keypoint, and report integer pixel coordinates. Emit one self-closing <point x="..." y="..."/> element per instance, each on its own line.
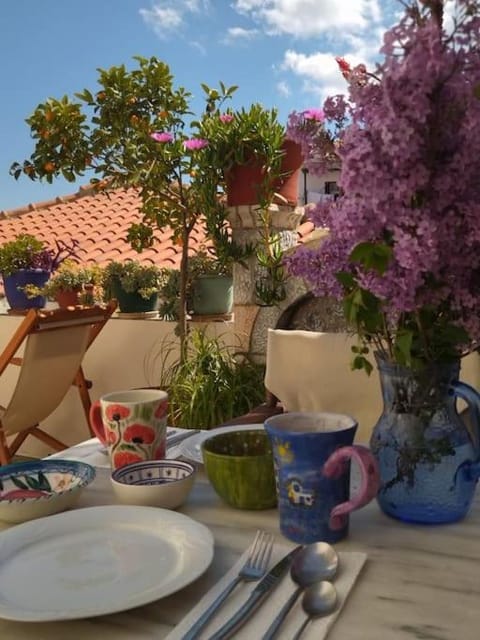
<point x="70" y="284"/>
<point x="27" y="262"/>
<point x="133" y="284"/>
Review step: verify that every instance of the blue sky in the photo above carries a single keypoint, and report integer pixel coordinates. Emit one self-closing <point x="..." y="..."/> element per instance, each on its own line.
<point x="279" y="52"/>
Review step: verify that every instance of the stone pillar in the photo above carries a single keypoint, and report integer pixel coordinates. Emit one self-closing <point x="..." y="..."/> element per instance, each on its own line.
<point x="245" y="222"/>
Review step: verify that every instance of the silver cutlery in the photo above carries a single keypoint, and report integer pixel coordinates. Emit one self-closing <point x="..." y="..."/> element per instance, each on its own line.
<point x="318" y="600"/>
<point x="176" y="438"/>
<point x="253" y="569"/>
<point x="172" y="439"/>
<point x="315" y="562"/>
<point x="258" y="595"/>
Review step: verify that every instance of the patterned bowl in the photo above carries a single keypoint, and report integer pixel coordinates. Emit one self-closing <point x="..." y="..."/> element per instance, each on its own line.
<point x="39" y="488"/>
<point x="154" y="483"/>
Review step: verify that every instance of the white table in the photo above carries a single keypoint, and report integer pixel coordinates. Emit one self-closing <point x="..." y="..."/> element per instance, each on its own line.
<point x="419" y="583"/>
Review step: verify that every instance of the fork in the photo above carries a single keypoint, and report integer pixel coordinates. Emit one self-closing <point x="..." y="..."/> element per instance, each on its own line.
<point x="253" y="569"/>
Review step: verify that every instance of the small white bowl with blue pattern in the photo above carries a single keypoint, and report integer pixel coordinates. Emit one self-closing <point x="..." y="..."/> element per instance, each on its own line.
<point x="154" y="483"/>
<point x="40" y="488"/>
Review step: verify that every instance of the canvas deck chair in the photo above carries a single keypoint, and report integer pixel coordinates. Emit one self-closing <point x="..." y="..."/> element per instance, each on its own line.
<point x="55" y="344"/>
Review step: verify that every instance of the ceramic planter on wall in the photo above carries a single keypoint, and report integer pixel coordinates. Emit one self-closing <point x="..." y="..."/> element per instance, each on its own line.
<point x="212" y="295"/>
<point x="17" y="298"/>
<point x="133" y="302"/>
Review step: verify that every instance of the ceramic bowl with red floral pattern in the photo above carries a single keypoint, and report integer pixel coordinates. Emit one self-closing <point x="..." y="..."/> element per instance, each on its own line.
<point x="39" y="488"/>
<point x="154" y="483"/>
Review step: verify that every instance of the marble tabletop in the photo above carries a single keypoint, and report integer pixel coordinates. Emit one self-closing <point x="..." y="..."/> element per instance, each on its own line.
<point x="418" y="583"/>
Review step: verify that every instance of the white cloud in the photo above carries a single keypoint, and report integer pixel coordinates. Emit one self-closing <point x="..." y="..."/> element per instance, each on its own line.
<point x="239" y="34"/>
<point x="308" y="18"/>
<point x="167" y="16"/>
<point x="283" y="89"/>
<point x="162" y="20"/>
<point x="318" y="71"/>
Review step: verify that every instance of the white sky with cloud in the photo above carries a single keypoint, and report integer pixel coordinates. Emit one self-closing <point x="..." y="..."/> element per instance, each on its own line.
<point x="280" y="53"/>
<point x="351" y="28"/>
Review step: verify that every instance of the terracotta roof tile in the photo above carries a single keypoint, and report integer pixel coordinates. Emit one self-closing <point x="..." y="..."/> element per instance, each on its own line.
<point x="98" y="221"/>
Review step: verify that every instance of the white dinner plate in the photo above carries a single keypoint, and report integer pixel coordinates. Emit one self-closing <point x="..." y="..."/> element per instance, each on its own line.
<point x="191" y="447"/>
<point x="98" y="560"/>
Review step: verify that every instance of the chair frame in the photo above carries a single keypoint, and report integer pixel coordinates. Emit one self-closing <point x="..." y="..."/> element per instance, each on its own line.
<point x="40" y="320"/>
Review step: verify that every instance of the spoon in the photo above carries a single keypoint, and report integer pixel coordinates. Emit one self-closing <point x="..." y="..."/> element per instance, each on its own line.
<point x="315" y="562"/>
<point x="318" y="600"/>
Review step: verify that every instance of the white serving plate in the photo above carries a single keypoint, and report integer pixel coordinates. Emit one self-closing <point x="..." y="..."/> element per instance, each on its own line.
<point x="191" y="447"/>
<point x="98" y="560"/>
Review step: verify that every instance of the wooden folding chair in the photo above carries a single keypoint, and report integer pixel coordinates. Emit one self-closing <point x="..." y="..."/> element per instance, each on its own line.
<point x="55" y="344"/>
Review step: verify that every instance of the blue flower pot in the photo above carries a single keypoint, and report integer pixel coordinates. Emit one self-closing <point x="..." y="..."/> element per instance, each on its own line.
<point x="13" y="283"/>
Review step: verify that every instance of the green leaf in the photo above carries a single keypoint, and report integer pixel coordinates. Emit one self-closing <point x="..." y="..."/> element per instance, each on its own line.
<point x="346" y="279"/>
<point x="359" y="362"/>
<point x="372" y="255"/>
<point x="403" y="346"/>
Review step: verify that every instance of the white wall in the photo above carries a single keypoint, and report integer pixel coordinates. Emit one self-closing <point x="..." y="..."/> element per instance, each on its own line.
<point x="126" y="354"/>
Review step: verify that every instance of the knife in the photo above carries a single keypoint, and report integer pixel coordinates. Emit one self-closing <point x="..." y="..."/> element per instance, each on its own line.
<point x="255" y="599"/>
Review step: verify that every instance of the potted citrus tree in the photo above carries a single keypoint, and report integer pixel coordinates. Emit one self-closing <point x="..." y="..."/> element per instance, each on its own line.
<point x="133" y="284"/>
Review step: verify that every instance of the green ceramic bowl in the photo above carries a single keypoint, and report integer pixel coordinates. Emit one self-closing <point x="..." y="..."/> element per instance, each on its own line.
<point x="239" y="465"/>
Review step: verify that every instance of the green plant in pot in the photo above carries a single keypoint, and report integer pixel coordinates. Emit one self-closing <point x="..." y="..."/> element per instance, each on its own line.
<point x="210" y="284"/>
<point x="249" y="146"/>
<point x="133" y="284"/>
<point x="214" y="384"/>
<point x="260" y="168"/>
<point x="27" y="262"/>
<point x="70" y="284"/>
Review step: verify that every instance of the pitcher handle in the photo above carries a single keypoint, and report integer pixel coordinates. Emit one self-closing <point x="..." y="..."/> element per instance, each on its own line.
<point x="472" y="398"/>
<point x="336" y="465"/>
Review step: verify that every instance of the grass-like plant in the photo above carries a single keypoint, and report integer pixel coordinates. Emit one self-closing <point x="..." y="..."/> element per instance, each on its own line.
<point x="213" y="385"/>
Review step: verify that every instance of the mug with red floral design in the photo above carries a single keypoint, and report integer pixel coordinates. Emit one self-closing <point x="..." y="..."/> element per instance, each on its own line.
<point x="131" y="424"/>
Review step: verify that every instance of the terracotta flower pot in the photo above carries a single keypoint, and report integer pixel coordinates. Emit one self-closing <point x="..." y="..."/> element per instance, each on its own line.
<point x="287" y="186"/>
<point x="244" y="181"/>
<point x="66" y="299"/>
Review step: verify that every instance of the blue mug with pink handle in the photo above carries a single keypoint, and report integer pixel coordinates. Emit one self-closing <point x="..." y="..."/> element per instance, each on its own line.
<point x="312" y="454"/>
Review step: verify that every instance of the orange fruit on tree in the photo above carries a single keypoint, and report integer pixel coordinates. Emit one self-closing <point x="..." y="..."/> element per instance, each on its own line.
<point x="49" y="166"/>
<point x="49" y="116"/>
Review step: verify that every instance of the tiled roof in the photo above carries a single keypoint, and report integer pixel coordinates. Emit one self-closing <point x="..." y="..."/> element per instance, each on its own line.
<point x="99" y="222"/>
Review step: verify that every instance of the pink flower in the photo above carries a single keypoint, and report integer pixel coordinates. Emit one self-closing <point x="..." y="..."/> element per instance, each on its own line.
<point x="194" y="144"/>
<point x="345" y="68"/>
<point x="226" y="118"/>
<point x="162" y="136"/>
<point x="314" y="114"/>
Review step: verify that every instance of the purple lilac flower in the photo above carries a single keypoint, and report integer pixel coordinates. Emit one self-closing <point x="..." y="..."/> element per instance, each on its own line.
<point x="409" y="173"/>
<point x="162" y="136"/>
<point x="194" y="144"/>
